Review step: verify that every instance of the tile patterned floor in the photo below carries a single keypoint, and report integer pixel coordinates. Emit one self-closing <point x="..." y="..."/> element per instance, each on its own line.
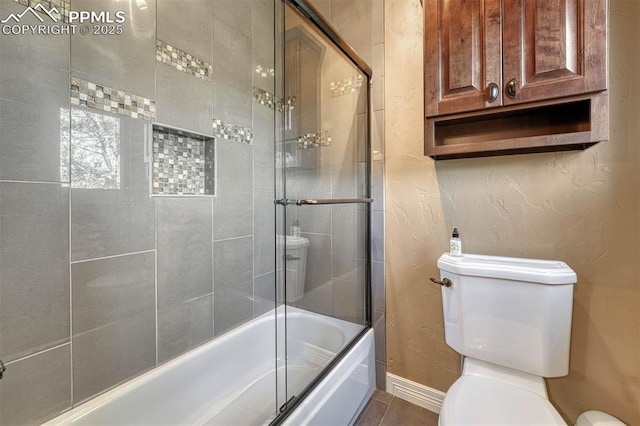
<point x="386" y="410"/>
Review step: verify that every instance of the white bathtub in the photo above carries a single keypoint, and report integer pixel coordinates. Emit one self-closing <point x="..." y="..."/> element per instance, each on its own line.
<point x="232" y="380"/>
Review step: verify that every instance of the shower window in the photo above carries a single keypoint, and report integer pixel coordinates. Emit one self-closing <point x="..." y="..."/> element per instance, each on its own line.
<point x="94" y="149"/>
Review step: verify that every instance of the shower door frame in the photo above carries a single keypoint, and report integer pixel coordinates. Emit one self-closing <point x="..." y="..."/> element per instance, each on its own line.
<point x="310" y="14"/>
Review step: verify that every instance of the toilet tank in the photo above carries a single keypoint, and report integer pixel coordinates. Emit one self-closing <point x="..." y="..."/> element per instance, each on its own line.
<point x="296" y="265"/>
<point x="509" y="311"/>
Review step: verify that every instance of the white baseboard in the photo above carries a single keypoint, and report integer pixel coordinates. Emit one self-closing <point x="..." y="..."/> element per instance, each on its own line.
<point x="420" y="395"/>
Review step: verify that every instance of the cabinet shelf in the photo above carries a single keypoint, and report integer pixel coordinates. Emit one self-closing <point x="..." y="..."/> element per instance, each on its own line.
<point x="571" y="124"/>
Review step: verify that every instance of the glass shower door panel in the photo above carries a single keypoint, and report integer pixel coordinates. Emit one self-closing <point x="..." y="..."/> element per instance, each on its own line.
<point x="325" y="169"/>
<point x="280" y="217"/>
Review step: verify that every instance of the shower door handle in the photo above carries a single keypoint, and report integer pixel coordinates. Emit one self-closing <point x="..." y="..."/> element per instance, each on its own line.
<point x="324" y="201"/>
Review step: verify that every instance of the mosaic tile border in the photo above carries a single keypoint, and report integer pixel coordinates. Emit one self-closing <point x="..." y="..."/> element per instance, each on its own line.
<point x="232" y="132"/>
<point x="314" y="140"/>
<point x="182" y="163"/>
<point x="348" y="85"/>
<point x="183" y="61"/>
<point x="103" y="98"/>
<point x="62" y="7"/>
<point x="271" y="101"/>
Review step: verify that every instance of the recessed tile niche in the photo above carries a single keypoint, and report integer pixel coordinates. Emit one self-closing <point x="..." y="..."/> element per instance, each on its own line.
<point x="183" y="163"/>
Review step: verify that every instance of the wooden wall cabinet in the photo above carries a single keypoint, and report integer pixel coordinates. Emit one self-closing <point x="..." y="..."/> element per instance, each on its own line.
<point x="489" y="61"/>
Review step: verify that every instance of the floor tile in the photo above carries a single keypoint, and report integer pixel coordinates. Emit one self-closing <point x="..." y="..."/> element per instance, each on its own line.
<point x="382" y="396"/>
<point x="404" y="413"/>
<point x="372" y="415"/>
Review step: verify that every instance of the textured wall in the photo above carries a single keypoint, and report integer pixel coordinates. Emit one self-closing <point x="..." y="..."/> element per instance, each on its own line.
<point x="580" y="207"/>
<point x="415" y="224"/>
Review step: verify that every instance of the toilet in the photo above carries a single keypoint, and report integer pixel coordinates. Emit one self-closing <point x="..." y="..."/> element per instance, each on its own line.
<point x="511" y="320"/>
<point x="296" y="254"/>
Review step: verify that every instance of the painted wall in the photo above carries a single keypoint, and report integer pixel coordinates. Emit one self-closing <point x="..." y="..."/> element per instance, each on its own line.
<point x="581" y="207"/>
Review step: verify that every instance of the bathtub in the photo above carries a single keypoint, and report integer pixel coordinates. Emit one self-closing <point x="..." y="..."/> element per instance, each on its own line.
<point x="232" y="380"/>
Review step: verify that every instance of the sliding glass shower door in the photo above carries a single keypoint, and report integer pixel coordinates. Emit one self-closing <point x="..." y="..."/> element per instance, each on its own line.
<point x="322" y="202"/>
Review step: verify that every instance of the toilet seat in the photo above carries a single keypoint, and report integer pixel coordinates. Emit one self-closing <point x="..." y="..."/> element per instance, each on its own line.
<point x="474" y="400"/>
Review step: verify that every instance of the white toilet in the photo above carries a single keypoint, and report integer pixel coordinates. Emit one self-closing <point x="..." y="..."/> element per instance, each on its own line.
<point x="511" y="319"/>
<point x="296" y="255"/>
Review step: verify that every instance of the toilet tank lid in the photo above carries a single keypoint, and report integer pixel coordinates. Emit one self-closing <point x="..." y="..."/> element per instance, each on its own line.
<point x="292" y="242"/>
<point x="510" y="268"/>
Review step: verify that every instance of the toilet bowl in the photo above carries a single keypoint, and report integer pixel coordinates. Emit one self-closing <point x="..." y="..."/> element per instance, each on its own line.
<point x="597" y="418"/>
<point x="511" y="320"/>
<point x="296" y="264"/>
<point x="492" y="395"/>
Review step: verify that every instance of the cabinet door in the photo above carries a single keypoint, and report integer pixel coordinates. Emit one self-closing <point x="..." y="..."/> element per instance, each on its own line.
<point x="553" y="48"/>
<point x="463" y="55"/>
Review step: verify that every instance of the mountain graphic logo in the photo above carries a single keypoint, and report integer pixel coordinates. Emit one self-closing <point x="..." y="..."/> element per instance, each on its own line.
<point x="51" y="13"/>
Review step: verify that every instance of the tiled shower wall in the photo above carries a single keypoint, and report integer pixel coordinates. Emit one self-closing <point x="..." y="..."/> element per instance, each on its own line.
<point x="98" y="280"/>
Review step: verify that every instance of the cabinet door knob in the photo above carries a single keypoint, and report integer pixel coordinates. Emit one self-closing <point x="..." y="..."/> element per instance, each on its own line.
<point x="494" y="92"/>
<point x="511" y="88"/>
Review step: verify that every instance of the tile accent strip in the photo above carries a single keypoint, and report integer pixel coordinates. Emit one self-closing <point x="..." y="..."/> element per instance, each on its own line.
<point x="348" y="85"/>
<point x="103" y="98"/>
<point x="270" y="100"/>
<point x="314" y="140"/>
<point x="232" y="132"/>
<point x="182" y="163"/>
<point x="61" y="12"/>
<point x="183" y="61"/>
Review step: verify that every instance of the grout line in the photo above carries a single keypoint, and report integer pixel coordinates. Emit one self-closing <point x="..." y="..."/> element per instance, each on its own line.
<point x="266" y="273"/>
<point x="155" y="259"/>
<point x="114" y="256"/>
<point x="186" y="302"/>
<point x="386" y="411"/>
<point x="233" y="238"/>
<point x="34" y="181"/>
<point x="213" y="282"/>
<point x="70" y="257"/>
<point x="38" y="353"/>
<point x="317" y="233"/>
<point x="253" y="213"/>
